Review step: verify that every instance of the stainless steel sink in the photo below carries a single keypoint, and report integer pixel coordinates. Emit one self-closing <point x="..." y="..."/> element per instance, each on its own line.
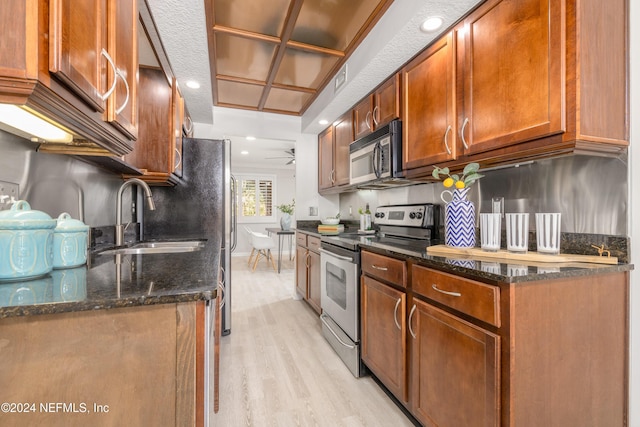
<point x="157" y="248"/>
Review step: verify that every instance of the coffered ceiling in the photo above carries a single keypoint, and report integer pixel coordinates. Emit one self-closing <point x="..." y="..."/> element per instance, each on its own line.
<point x="277" y="55"/>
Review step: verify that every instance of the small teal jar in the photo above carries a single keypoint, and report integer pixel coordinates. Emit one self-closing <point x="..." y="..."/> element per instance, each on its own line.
<point x="26" y="242"/>
<point x="70" y="241"/>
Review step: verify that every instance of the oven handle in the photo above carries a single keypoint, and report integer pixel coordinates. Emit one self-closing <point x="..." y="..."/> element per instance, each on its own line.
<point x="349" y="346"/>
<point x="344" y="258"/>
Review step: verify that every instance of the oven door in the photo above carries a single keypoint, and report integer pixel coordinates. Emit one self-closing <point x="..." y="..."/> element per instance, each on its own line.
<point x="339" y="276"/>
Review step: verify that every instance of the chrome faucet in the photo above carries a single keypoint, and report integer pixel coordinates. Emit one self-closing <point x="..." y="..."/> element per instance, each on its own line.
<point x="147" y="191"/>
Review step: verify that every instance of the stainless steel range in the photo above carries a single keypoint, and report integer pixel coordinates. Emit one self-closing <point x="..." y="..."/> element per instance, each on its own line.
<point x="407" y="229"/>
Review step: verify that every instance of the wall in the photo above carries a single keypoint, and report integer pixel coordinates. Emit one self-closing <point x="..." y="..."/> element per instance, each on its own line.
<point x="56" y="183"/>
<point x="590" y="192"/>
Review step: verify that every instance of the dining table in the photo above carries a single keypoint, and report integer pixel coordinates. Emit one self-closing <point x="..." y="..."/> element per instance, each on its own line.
<point x="282" y="234"/>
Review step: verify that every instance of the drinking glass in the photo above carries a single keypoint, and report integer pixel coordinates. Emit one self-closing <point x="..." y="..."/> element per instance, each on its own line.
<point x="517" y="232"/>
<point x="490" y="231"/>
<point x="548" y="232"/>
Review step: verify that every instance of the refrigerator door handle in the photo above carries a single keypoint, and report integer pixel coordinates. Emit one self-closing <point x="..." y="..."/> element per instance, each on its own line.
<point x="234" y="213"/>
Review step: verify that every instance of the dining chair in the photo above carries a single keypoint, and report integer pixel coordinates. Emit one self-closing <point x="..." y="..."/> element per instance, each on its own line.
<point x="261" y="246"/>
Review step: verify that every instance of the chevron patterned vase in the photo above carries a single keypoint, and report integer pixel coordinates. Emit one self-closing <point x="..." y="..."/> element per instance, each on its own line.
<point x="459" y="221"/>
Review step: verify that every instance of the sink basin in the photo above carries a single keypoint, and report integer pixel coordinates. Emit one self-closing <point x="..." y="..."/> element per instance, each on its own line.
<point x="157" y="248"/>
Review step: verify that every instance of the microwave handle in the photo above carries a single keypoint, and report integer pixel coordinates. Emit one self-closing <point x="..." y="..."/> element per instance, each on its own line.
<point x="377" y="151"/>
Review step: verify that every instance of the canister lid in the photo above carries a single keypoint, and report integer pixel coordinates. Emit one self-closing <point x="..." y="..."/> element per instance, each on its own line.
<point x="67" y="224"/>
<point x="21" y="216"/>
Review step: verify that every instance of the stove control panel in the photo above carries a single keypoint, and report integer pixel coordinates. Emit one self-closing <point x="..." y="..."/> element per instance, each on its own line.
<point x="420" y="215"/>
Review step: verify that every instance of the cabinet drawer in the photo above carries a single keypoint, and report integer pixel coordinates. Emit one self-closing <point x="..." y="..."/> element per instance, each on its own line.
<point x="389" y="269"/>
<point x="476" y="299"/>
<point x="301" y="239"/>
<point x="313" y="243"/>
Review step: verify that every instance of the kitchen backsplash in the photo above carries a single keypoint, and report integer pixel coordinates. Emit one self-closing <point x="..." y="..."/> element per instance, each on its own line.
<point x="57" y="183"/>
<point x="590" y="192"/>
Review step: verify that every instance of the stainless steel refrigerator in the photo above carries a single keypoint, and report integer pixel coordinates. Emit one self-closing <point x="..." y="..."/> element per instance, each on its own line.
<point x="201" y="205"/>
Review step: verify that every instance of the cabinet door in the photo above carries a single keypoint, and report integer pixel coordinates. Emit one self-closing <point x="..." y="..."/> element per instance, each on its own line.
<point x="383" y="334"/>
<point x="429" y="93"/>
<point x="343" y="131"/>
<point x="513" y="73"/>
<point x="177" y="106"/>
<point x="122" y="107"/>
<point x="301" y="271"/>
<point x="362" y="118"/>
<point x="455" y="370"/>
<point x="386" y="101"/>
<point x="325" y="159"/>
<point x="154" y="148"/>
<point x="314" y="281"/>
<point x="76" y="45"/>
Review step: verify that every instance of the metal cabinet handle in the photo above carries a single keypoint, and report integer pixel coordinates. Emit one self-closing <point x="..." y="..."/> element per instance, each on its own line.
<point x="453" y="294"/>
<point x="307" y="258"/>
<point x="126" y="85"/>
<point x="331" y="176"/>
<point x="376" y="109"/>
<point x="190" y="127"/>
<point x="413" y="310"/>
<point x="349" y="346"/>
<point x="108" y="93"/>
<point x="179" y="158"/>
<point x="379" y="268"/>
<point x="464" y="125"/>
<point x="366" y="119"/>
<point x="222" y="289"/>
<point x="342" y="257"/>
<point x="395" y="314"/>
<point x="446" y="140"/>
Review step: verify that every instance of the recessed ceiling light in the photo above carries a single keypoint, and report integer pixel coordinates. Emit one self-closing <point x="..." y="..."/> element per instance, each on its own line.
<point x="431" y="24"/>
<point x="251" y="138"/>
<point x="324" y="122"/>
<point x="193" y="84"/>
<point x="244" y="152"/>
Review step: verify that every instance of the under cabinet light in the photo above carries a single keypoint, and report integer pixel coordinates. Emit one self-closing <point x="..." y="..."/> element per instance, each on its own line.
<point x="26" y="122"/>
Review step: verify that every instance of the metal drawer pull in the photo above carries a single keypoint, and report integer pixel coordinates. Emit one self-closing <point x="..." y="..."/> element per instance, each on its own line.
<point x="349" y="346"/>
<point x="379" y="268"/>
<point x="411" y="316"/>
<point x="108" y="93"/>
<point x="395" y="314"/>
<point x="453" y="294"/>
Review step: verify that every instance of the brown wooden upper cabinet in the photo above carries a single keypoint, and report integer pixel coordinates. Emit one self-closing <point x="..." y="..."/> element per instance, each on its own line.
<point x="333" y="154"/>
<point x="74" y="63"/>
<point x="515" y="75"/>
<point x="378" y="108"/>
<point x="429" y="102"/>
<point x="158" y="151"/>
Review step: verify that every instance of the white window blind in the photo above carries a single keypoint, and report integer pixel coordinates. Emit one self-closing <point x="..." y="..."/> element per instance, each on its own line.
<point x="256" y="198"/>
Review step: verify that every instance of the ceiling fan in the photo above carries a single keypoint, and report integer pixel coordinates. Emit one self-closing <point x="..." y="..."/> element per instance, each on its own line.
<point x="291" y="155"/>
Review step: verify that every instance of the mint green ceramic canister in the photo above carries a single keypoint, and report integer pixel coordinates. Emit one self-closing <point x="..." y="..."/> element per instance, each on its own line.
<point x="26" y="242"/>
<point x="70" y="241"/>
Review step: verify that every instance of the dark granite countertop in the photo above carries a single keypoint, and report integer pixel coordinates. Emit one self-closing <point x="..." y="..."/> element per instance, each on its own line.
<point x="492" y="270"/>
<point x="105" y="283"/>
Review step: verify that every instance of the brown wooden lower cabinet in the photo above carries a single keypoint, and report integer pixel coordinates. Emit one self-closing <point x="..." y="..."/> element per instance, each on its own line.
<point x="384" y="334"/>
<point x="540" y="353"/>
<point x="126" y="366"/>
<point x="455" y="370"/>
<point x="308" y="269"/>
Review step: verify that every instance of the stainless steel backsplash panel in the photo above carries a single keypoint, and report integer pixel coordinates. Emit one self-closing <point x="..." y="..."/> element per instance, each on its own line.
<point x="57" y="183"/>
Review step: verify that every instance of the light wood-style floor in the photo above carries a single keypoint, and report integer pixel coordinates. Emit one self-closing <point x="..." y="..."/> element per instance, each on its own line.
<point x="276" y="369"/>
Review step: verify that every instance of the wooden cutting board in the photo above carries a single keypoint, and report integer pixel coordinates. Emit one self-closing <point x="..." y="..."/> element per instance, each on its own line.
<point x="443" y="250"/>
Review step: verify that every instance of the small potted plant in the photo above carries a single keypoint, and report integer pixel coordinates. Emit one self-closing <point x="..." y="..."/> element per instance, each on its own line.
<point x="287" y="211"/>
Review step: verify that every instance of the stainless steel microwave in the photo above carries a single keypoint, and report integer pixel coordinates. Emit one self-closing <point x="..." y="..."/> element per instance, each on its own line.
<point x="377" y="157"/>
